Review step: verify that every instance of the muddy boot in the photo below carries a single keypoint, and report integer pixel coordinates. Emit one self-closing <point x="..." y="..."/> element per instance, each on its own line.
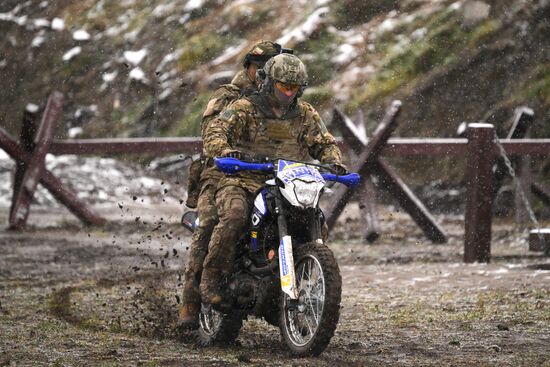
<point x="189" y="317"/>
<point x="210" y="286"/>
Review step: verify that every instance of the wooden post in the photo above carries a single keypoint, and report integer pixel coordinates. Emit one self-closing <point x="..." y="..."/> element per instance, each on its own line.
<point x="26" y="139"/>
<point x="479" y="202"/>
<point x="33" y="169"/>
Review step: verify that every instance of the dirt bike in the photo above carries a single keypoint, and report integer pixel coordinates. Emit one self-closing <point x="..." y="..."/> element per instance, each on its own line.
<point x="283" y="271"/>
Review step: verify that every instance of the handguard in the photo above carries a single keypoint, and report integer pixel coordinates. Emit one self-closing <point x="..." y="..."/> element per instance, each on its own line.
<point x="233" y="165"/>
<point x="350" y="180"/>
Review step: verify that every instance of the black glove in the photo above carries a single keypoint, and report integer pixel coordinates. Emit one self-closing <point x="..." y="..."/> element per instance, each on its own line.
<point x="233" y="154"/>
<point x="339" y="169"/>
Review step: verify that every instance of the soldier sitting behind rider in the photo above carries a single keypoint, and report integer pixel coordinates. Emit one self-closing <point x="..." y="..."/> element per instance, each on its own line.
<point x="204" y="176"/>
<point x="270" y="123"/>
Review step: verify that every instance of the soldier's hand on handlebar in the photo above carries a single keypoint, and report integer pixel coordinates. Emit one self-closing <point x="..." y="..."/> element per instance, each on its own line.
<point x="339" y="169"/>
<point x="233" y="154"/>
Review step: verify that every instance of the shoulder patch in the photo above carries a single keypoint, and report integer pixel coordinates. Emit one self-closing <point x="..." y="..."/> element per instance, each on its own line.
<point x="227" y="113"/>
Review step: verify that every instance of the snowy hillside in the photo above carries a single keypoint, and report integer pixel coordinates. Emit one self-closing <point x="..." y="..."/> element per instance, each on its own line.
<point x="143" y="68"/>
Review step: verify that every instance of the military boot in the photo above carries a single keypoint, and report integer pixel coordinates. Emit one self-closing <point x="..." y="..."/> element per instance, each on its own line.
<point x="210" y="286"/>
<point x="189" y="317"/>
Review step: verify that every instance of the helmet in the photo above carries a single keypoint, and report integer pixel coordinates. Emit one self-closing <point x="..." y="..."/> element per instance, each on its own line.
<point x="262" y="51"/>
<point x="284" y="78"/>
<point x="286" y="68"/>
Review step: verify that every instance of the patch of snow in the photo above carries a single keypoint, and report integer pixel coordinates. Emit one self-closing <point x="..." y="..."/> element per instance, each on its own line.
<point x="480" y="125"/>
<point x="3" y="155"/>
<point x="43" y="4"/>
<point x="456" y="5"/>
<point x="229" y="53"/>
<point x="132" y="36"/>
<point x="11" y="17"/>
<point x="116" y="30"/>
<point x="408" y="18"/>
<point x="38" y="40"/>
<point x="162" y="10"/>
<point x="71" y="53"/>
<point x="41" y="23"/>
<point x="386" y="26"/>
<point x="184" y="19"/>
<point x="135" y="57"/>
<point x="81" y="35"/>
<point x="58" y="24"/>
<point x="109" y="77"/>
<point x="165" y="94"/>
<point x="168" y="58"/>
<point x="303" y="31"/>
<point x="345" y="54"/>
<point x="31" y="107"/>
<point x="138" y="75"/>
<point x="73" y="132"/>
<point x="419" y="33"/>
<point x="192" y="5"/>
<point x="3" y="63"/>
<point x="401" y="44"/>
<point x="90" y="110"/>
<point x="539" y="272"/>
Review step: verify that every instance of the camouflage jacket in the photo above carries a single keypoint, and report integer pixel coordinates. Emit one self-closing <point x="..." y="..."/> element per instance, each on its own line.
<point x="221" y="98"/>
<point x="247" y="127"/>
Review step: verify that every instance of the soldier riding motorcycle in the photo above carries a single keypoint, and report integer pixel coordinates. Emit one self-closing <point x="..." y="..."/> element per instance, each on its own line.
<point x="303" y="299"/>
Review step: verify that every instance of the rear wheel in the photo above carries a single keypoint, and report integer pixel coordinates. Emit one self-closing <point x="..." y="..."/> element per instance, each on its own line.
<point x="216" y="327"/>
<point x="308" y="324"/>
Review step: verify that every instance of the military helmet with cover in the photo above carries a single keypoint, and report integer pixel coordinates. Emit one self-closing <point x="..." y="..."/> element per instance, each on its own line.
<point x="286" y="68"/>
<point x="284" y="78"/>
<point x="262" y="51"/>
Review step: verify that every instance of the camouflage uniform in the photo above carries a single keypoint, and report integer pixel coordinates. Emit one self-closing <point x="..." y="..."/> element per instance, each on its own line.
<point x="249" y="126"/>
<point x="206" y="187"/>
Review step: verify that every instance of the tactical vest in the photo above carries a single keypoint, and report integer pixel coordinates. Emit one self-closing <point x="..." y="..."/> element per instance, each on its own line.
<point x="268" y="136"/>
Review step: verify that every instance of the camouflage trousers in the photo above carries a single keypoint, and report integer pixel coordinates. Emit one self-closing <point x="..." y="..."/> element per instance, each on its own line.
<point x="233" y="204"/>
<point x="208" y="218"/>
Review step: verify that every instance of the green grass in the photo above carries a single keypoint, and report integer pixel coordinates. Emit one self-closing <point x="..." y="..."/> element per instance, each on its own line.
<point x="538" y="87"/>
<point x="442" y="45"/>
<point x="190" y="124"/>
<point x="319" y="97"/>
<point x="202" y="48"/>
<point x="316" y="53"/>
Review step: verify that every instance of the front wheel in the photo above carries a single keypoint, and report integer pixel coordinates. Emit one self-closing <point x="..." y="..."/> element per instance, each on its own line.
<point x="216" y="327"/>
<point x="308" y="323"/>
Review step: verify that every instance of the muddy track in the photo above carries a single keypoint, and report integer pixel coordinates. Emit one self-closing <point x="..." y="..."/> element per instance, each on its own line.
<point x="73" y="296"/>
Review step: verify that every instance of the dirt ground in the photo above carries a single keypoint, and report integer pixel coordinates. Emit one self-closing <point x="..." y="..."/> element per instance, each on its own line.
<point x="73" y="296"/>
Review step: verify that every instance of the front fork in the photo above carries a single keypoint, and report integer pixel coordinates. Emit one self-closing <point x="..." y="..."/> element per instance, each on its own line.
<point x="286" y="259"/>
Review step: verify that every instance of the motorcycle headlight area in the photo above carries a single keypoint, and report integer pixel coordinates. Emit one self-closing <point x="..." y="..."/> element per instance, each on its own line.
<point x="306" y="192"/>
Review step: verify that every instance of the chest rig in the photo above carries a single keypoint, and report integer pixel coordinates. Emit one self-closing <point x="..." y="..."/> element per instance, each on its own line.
<point x="275" y="137"/>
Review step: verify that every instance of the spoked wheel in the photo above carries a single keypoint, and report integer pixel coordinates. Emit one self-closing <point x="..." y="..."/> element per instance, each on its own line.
<point x="218" y="328"/>
<point x="308" y="324"/>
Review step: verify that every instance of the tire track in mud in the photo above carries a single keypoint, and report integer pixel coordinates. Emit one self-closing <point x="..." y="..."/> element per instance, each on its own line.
<point x="142" y="305"/>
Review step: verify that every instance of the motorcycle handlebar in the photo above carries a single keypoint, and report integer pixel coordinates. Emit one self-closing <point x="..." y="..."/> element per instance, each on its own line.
<point x="234" y="165"/>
